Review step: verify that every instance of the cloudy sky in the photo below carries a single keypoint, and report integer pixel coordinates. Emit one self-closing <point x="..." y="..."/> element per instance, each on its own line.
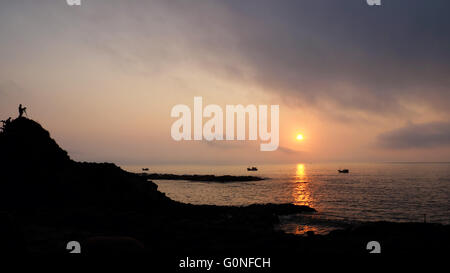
<point x="360" y="83"/>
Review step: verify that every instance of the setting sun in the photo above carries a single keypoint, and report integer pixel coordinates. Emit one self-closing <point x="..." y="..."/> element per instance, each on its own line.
<point x="299" y="137"/>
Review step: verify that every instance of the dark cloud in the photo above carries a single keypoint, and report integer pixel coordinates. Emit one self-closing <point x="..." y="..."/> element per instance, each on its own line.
<point x="358" y="57"/>
<point x="340" y="53"/>
<point x="344" y="53"/>
<point x="427" y="135"/>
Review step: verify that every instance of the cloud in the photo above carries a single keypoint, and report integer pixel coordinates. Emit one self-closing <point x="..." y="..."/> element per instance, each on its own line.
<point x="341" y="57"/>
<point x="337" y="56"/>
<point x="348" y="54"/>
<point x="427" y="135"/>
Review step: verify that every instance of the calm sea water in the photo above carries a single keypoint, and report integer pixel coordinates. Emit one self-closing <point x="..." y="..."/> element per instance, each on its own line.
<point x="370" y="192"/>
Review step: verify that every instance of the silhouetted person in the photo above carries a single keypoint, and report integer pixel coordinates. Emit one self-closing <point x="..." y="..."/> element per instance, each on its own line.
<point x="22" y="110"/>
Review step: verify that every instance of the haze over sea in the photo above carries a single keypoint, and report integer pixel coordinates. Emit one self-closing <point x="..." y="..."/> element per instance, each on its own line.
<point x="400" y="192"/>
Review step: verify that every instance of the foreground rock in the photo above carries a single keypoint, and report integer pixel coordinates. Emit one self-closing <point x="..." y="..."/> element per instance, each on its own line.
<point x="36" y="172"/>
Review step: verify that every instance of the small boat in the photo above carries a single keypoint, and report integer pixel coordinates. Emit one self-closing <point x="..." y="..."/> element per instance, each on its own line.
<point x="344" y="171"/>
<point x="252" y="169"/>
<point x="145" y="169"/>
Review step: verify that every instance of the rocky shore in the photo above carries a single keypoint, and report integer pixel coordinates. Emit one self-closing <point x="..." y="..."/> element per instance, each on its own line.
<point x="47" y="200"/>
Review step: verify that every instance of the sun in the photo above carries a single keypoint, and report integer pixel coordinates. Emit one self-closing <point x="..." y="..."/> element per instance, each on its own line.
<point x="299" y="137"/>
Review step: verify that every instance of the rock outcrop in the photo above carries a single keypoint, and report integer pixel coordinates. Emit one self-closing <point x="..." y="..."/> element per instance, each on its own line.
<point x="35" y="172"/>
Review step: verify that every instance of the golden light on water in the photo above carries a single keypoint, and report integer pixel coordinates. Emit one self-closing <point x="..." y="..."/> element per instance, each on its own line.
<point x="301" y="191"/>
<point x="300" y="171"/>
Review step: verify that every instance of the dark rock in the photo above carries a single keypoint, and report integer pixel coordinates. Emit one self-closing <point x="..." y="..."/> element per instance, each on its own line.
<point x="35" y="171"/>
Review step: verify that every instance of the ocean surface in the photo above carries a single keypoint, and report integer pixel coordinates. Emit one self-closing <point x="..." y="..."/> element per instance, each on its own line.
<point x="400" y="192"/>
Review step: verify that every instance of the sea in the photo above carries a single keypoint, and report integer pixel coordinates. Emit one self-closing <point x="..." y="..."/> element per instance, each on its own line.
<point x="398" y="192"/>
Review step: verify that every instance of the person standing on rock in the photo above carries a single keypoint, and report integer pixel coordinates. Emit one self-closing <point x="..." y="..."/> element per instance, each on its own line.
<point x="22" y="110"/>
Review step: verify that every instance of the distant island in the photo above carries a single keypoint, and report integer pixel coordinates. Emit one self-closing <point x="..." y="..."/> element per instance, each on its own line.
<point x="201" y="178"/>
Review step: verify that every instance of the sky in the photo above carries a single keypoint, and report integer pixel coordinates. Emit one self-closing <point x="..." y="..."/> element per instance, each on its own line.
<point x="361" y="83"/>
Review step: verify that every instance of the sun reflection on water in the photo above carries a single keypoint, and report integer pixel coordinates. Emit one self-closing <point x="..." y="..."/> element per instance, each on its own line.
<point x="301" y="192"/>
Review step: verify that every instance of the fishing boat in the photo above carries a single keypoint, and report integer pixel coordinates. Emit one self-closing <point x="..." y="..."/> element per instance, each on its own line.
<point x="252" y="169"/>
